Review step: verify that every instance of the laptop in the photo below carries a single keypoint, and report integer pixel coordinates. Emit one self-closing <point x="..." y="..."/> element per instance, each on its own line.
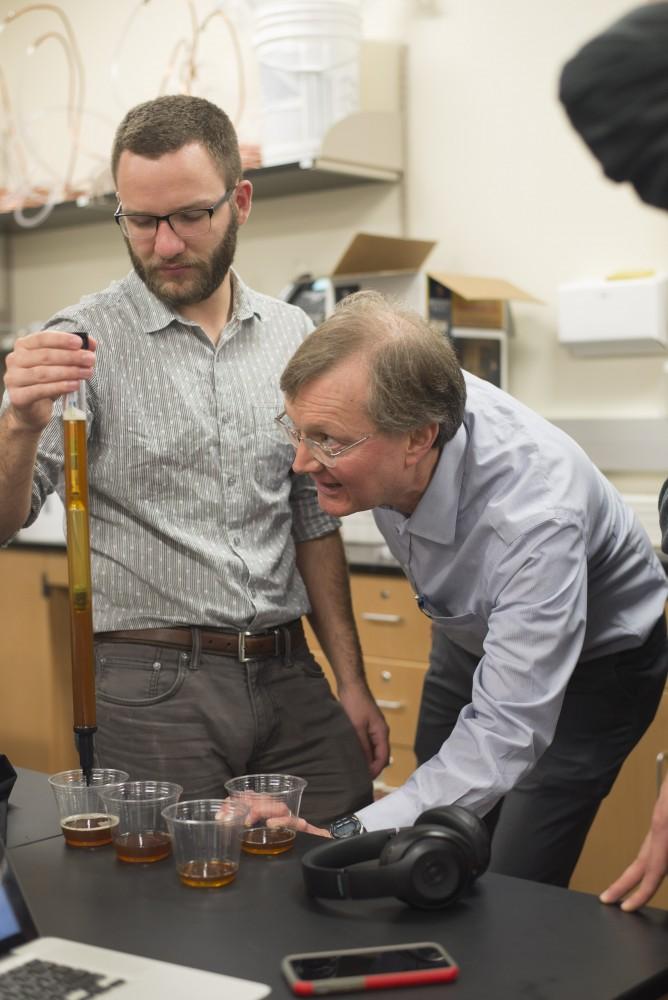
<point x="54" y="968"/>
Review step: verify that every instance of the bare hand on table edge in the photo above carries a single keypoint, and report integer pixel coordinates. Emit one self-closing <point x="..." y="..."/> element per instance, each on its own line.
<point x="646" y="873"/>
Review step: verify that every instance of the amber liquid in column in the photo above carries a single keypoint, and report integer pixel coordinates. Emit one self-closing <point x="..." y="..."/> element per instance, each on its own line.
<point x="78" y="559"/>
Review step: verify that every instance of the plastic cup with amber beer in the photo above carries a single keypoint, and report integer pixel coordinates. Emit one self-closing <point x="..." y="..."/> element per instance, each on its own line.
<point x="273" y="801"/>
<point x="206" y="840"/>
<point x="84" y="819"/>
<point x="139" y="833"/>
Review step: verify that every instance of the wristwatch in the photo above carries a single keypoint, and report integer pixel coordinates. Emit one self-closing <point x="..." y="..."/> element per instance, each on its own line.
<point x="346" y="826"/>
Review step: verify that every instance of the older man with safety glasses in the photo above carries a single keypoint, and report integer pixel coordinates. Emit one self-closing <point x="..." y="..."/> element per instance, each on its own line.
<point x="549" y="641"/>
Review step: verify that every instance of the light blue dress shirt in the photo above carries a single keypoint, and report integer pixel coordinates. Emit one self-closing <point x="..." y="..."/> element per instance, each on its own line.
<point x="527" y="558"/>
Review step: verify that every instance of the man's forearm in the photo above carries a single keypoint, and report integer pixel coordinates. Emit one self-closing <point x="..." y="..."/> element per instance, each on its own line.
<point x="18" y="450"/>
<point x="322" y="563"/>
<point x="323" y="567"/>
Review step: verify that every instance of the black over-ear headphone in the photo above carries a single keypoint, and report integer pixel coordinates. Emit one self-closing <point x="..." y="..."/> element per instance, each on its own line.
<point x="428" y="865"/>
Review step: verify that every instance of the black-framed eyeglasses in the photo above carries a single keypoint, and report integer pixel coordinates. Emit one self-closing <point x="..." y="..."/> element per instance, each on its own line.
<point x="138" y="226"/>
<point x="326" y="454"/>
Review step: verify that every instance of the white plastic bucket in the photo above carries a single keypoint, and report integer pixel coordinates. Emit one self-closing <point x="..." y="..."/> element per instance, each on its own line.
<point x="308" y="56"/>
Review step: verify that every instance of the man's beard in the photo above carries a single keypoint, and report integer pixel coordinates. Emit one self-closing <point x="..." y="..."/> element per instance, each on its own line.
<point x="206" y="275"/>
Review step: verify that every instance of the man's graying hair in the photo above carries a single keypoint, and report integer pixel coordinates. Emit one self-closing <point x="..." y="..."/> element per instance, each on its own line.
<point x="166" y="124"/>
<point x="414" y="375"/>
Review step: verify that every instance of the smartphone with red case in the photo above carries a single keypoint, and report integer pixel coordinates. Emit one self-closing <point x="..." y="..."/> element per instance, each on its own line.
<point x="352" y="969"/>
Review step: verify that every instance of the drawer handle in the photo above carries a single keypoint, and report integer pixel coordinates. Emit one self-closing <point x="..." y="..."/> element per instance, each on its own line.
<point x="373" y="616"/>
<point x="392" y="706"/>
<point x="48" y="586"/>
<point x="661" y="759"/>
<point x="382" y="787"/>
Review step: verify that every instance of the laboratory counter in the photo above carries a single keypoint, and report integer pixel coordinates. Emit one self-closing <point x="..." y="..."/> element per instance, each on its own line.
<point x="511" y="938"/>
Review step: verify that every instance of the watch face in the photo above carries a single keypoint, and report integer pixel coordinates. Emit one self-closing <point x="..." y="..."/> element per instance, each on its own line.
<point x="347" y="826"/>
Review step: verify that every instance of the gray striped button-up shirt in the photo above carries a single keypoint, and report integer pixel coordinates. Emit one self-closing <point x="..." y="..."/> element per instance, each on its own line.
<point x="194" y="510"/>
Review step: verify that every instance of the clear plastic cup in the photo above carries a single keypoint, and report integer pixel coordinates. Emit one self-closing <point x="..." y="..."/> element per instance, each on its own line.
<point x="270" y="798"/>
<point x="206" y="840"/>
<point x="84" y="819"/>
<point x="140" y="835"/>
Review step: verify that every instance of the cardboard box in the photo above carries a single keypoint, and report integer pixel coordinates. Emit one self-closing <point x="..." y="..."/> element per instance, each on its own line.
<point x="473" y="311"/>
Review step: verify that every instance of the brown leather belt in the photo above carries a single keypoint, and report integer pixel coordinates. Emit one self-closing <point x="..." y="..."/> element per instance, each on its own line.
<point x="243" y="646"/>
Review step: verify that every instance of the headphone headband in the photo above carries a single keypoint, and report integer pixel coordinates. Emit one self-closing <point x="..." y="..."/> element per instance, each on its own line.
<point x="428" y="865"/>
<point x="326" y="872"/>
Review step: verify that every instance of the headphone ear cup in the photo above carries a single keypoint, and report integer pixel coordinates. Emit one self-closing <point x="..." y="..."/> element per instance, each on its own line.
<point x="430" y="866"/>
<point x="469" y="826"/>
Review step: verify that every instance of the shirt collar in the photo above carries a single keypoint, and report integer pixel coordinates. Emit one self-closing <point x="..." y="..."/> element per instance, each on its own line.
<point x="155" y="315"/>
<point x="435" y="517"/>
<point x="247" y="303"/>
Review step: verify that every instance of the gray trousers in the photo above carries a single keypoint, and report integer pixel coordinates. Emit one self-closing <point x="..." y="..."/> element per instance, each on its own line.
<point x="539" y="828"/>
<point x="200" y="718"/>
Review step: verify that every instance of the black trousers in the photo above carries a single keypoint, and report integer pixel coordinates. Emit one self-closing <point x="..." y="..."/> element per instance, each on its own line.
<point x="539" y="828"/>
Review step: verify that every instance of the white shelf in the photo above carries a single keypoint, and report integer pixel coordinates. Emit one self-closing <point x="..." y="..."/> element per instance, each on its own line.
<point x="365" y="148"/>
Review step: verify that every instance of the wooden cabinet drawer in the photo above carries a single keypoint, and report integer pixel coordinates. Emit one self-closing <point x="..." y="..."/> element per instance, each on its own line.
<point x="388" y="619"/>
<point x="35" y="660"/>
<point x="397" y="688"/>
<point x="401" y="766"/>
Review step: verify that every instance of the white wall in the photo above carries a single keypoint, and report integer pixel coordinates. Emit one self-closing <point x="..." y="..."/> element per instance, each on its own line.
<point x="496" y="168"/>
<point x="495" y="174"/>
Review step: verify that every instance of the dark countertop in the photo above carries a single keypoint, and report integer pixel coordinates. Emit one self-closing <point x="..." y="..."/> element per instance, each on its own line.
<point x="511" y="938"/>
<point x="32" y="814"/>
<point x="35" y="546"/>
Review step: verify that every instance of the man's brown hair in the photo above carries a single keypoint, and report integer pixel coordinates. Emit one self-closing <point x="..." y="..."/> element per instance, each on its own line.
<point x="414" y="375"/>
<point x="166" y="124"/>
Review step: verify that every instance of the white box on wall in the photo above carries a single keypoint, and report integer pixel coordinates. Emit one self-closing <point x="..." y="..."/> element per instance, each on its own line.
<point x="609" y="316"/>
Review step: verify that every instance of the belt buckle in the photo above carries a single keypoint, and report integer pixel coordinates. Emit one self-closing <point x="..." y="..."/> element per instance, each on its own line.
<point x="241" y="647"/>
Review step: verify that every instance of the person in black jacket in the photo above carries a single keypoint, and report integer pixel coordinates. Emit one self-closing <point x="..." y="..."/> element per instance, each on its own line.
<point x="615" y="92"/>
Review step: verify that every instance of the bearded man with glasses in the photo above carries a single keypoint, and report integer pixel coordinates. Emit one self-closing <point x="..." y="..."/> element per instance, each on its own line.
<point x="206" y="550"/>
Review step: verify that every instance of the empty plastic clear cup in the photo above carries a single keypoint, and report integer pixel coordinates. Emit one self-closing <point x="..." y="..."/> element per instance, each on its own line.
<point x="274" y="801"/>
<point x="83" y="817"/>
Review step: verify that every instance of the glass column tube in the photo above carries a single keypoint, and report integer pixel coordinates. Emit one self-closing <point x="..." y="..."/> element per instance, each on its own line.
<point x="78" y="563"/>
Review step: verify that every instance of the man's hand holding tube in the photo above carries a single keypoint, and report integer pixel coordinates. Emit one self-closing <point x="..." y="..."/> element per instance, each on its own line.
<point x="42" y="367"/>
